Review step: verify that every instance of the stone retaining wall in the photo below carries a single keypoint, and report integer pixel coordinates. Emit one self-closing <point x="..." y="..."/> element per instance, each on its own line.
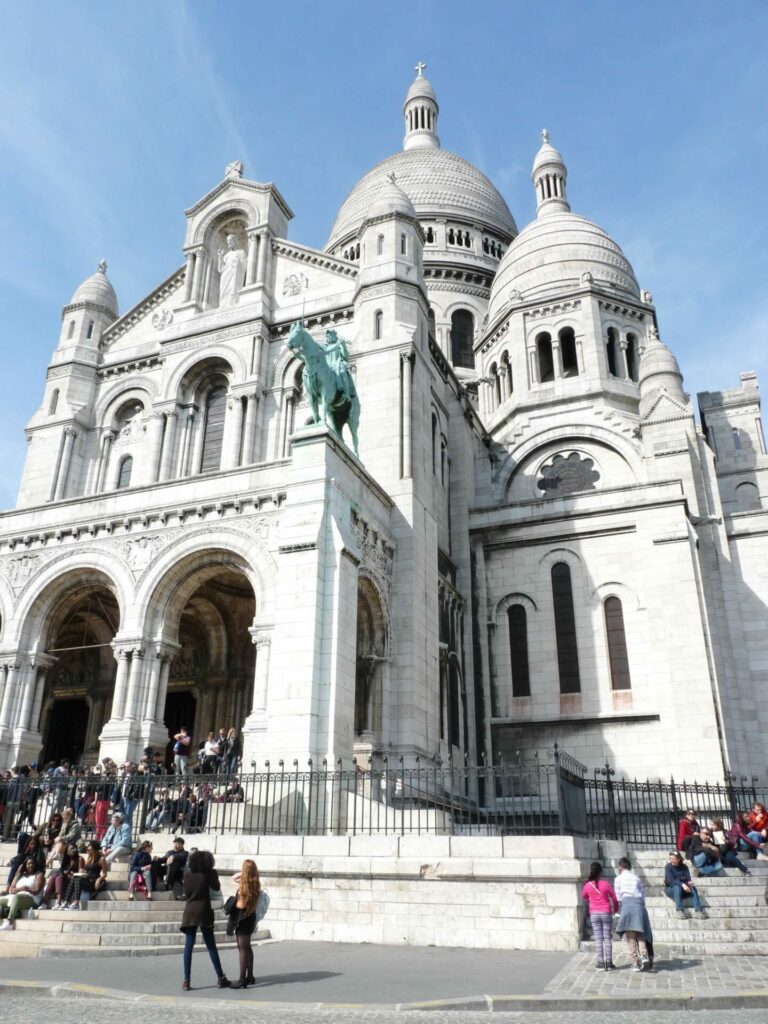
<point x="481" y="892"/>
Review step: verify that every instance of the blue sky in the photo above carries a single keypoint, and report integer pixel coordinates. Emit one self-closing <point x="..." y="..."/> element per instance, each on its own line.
<point x="115" y="118"/>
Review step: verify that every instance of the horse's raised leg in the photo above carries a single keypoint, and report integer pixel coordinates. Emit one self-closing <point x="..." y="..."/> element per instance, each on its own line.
<point x="352" y="423"/>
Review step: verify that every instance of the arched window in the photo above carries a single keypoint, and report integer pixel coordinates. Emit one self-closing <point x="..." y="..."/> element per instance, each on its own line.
<point x="434" y="442"/>
<point x="71" y="331"/>
<point x="495" y="383"/>
<point x="431" y="322"/>
<point x="748" y="497"/>
<point x="378" y="325"/>
<point x="430" y="235"/>
<point x="403" y="245"/>
<point x="54" y="402"/>
<point x="506" y="375"/>
<point x="443" y="457"/>
<point x="213" y="437"/>
<point x="546" y="363"/>
<point x="568" y="352"/>
<point x="611" y="349"/>
<point x="565" y="629"/>
<point x="518" y="650"/>
<point x="735" y="433"/>
<point x="632" y="358"/>
<point x="124" y="472"/>
<point x="89" y="333"/>
<point x="462" y="336"/>
<point x="380" y="245"/>
<point x="617" y="644"/>
<point x="451" y="236"/>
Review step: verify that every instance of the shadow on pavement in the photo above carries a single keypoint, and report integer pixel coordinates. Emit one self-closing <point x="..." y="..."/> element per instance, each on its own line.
<point x="289" y="979"/>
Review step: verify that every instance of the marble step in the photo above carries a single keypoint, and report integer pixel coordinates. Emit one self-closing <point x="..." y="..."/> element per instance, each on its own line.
<point x="700" y="948"/>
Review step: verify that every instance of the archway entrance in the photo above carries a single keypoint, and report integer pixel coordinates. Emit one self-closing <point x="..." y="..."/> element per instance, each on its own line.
<point x="210" y="684"/>
<point x="79" y="686"/>
<point x="66" y="741"/>
<point x="370" y="659"/>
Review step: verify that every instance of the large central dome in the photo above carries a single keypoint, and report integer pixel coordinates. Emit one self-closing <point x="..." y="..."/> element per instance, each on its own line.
<point x="438" y="183"/>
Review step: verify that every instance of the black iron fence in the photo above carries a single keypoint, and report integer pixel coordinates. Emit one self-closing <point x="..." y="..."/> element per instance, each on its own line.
<point x="542" y="796"/>
<point x="650" y="812"/>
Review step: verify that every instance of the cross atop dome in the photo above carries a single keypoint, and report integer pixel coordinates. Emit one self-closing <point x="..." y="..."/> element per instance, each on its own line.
<point x="544" y="135"/>
<point x="420" y="110"/>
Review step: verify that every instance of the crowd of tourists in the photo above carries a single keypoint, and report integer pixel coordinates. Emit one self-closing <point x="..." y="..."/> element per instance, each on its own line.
<point x="708" y="849"/>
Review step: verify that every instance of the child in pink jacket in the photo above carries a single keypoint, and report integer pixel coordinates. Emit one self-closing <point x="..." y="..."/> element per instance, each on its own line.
<point x="603" y="905"/>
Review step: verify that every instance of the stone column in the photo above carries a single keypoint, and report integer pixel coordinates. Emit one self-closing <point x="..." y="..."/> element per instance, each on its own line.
<point x="27" y="694"/>
<point x="251" y="411"/>
<point x="162" y="689"/>
<point x="153" y="683"/>
<point x="557" y="359"/>
<point x="406" y="362"/>
<point x="134" y="683"/>
<point x="623" y="368"/>
<point x="262" y="641"/>
<point x="155" y="444"/>
<point x="171" y="419"/>
<point x="66" y="458"/>
<point x="188" y="275"/>
<point x="197" y="283"/>
<point x="234" y="432"/>
<point x="11" y="666"/>
<point x="253" y="249"/>
<point x="107" y="439"/>
<point x="502" y="375"/>
<point x="121" y="682"/>
<point x="264" y="243"/>
<point x="187" y="425"/>
<point x="289" y="398"/>
<point x="37" y="704"/>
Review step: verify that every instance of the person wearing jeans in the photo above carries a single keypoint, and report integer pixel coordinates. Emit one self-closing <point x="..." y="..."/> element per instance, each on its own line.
<point x="117" y="841"/>
<point x="602" y="903"/>
<point x="199" y="881"/>
<point x="678" y="885"/>
<point x="703" y="853"/>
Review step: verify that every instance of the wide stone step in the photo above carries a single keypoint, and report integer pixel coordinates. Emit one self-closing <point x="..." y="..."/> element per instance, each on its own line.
<point x="711" y="899"/>
<point x="77" y="924"/>
<point x="703" y="948"/>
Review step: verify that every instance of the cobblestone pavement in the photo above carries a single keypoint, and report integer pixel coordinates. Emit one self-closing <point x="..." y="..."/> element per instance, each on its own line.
<point x="35" y="1010"/>
<point x="697" y="975"/>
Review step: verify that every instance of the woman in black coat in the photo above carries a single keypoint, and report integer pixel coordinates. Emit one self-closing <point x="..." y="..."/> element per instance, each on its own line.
<point x="199" y="880"/>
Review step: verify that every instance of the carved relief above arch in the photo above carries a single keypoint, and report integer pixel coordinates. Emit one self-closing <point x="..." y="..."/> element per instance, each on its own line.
<point x="219" y="352"/>
<point x="228" y="210"/>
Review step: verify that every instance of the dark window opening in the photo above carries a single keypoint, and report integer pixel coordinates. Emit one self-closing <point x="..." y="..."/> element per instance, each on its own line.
<point x="633" y="361"/>
<point x="462" y="337"/>
<point x="213" y="437"/>
<point x="565" y="629"/>
<point x="124" y="473"/>
<point x="518" y="648"/>
<point x="617" y="644"/>
<point x="546" y="363"/>
<point x="610" y="348"/>
<point x="568" y="352"/>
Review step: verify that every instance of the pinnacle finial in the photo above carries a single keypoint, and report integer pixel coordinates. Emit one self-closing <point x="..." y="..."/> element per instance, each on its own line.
<point x="234" y="169"/>
<point x="420" y="69"/>
<point x="544" y="135"/>
<point x="102" y="266"/>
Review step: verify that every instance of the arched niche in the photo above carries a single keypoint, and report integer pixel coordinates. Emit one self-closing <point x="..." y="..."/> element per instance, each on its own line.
<point x="370" y="658"/>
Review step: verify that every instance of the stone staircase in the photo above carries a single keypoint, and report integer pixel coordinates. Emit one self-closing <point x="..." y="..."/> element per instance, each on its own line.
<point x="112" y="925"/>
<point x="737" y="909"/>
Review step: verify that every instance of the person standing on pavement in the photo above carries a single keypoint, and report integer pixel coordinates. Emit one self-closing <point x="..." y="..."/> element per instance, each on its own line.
<point x="603" y="904"/>
<point x="633" y="917"/>
<point x="181" y="750"/>
<point x="199" y="882"/>
<point x="242" y="919"/>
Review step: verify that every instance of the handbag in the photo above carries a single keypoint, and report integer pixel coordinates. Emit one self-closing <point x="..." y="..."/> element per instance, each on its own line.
<point x="262" y="906"/>
<point x="230" y="905"/>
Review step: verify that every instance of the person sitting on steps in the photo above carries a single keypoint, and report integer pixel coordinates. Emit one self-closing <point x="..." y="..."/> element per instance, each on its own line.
<point x="758" y="820"/>
<point x="117" y="841"/>
<point x="703" y="854"/>
<point x="88" y="882"/>
<point x="170" y="867"/>
<point x="678" y="885"/>
<point x="745" y="839"/>
<point x="26" y="892"/>
<point x="58" y="882"/>
<point x="728" y="855"/>
<point x="141" y="864"/>
<point x="687" y="828"/>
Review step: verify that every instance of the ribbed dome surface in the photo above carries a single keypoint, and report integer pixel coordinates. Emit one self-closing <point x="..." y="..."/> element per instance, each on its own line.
<point x="97" y="290"/>
<point x="552" y="253"/>
<point x="419" y="88"/>
<point x="390" y="198"/>
<point x="438" y="183"/>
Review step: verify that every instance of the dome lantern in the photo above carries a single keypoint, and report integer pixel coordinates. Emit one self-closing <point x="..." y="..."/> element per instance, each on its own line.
<point x="420" y="111"/>
<point x="548" y="176"/>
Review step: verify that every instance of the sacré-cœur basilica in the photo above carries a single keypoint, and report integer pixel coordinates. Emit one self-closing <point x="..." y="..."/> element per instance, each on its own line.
<point x="537" y="543"/>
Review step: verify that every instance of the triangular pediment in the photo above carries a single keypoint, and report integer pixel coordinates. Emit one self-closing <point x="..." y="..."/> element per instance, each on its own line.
<point x="666" y="407"/>
<point x="231" y="188"/>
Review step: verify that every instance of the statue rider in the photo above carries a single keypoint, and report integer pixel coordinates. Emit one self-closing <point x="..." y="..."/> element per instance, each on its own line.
<point x="337" y="355"/>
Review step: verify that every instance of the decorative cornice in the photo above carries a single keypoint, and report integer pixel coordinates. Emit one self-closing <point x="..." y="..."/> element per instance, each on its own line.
<point x="439" y="285"/>
<point x="314" y="257"/>
<point x="139" y="311"/>
<point x="318" y="320"/>
<point x="74" y="306"/>
<point x="553" y="309"/>
<point x="241" y="183"/>
<point x="622" y="310"/>
<point x="132" y="366"/>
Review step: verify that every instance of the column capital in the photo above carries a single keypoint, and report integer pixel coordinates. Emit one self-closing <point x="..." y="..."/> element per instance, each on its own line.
<point x="407" y="356"/>
<point x="261" y="636"/>
<point x="70" y="432"/>
<point x="10" y="661"/>
<point x="165" y="650"/>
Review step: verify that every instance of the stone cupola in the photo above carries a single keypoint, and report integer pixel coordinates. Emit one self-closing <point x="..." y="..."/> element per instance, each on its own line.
<point x="420" y="111"/>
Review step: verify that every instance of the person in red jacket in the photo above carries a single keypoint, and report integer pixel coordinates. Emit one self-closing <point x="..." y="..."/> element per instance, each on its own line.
<point x="758" y="819"/>
<point x="686" y="830"/>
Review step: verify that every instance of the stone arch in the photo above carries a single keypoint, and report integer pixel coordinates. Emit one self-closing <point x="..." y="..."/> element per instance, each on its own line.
<point x="141" y="388"/>
<point x="222" y="353"/>
<point x="371" y="654"/>
<point x="228" y="209"/>
<point x="554" y="555"/>
<point x="7" y="602"/>
<point x="629" y="597"/>
<point x="510" y="599"/>
<point x="206" y="547"/>
<point x="44" y="589"/>
<point x="579" y="434"/>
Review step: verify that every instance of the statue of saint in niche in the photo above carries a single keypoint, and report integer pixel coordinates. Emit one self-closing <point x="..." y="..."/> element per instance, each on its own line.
<point x="231" y="262"/>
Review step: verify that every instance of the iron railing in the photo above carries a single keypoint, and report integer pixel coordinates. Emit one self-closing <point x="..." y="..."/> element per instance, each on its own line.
<point x="552" y="796"/>
<point x="646" y="812"/>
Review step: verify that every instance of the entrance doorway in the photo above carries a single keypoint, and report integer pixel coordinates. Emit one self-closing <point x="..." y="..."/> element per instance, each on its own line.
<point x="66" y="738"/>
<point x="180" y="709"/>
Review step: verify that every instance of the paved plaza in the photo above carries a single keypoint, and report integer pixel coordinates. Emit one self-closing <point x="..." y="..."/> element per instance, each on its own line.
<point x="294" y="979"/>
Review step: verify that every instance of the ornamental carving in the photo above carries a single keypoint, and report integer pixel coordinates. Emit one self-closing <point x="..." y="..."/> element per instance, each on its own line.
<point x="295" y="284"/>
<point x="19" y="571"/>
<point x="376" y="552"/>
<point x="567" y="475"/>
<point x="162" y="319"/>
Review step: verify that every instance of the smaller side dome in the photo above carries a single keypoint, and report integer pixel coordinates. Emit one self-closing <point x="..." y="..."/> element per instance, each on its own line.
<point x="390" y="200"/>
<point x="658" y="367"/>
<point x="97" y="290"/>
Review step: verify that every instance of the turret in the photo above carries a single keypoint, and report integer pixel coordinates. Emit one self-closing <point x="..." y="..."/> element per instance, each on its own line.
<point x="549" y="175"/>
<point x="420" y="111"/>
<point x="89" y="312"/>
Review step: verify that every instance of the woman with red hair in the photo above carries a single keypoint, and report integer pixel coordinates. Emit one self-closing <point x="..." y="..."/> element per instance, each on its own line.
<point x="242" y="919"/>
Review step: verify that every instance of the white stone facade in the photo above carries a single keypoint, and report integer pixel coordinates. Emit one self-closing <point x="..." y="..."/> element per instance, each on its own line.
<point x="538" y="542"/>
